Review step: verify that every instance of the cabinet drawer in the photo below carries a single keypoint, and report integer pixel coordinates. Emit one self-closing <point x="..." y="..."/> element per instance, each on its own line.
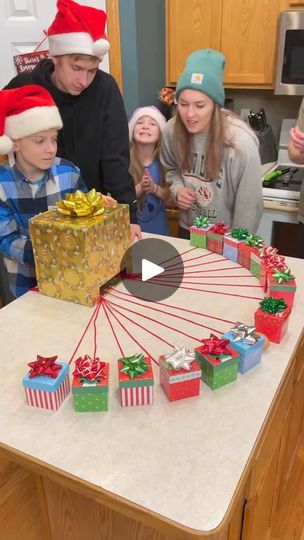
<point x="270" y="434"/>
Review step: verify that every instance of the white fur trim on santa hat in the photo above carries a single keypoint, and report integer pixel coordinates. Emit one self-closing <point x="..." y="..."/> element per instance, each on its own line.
<point x="77" y="43"/>
<point x="32" y="121"/>
<point x="151" y="111"/>
<point x="6" y="145"/>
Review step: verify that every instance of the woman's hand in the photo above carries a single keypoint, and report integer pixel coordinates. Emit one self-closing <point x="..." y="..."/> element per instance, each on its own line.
<point x="185" y="198"/>
<point x="109" y="200"/>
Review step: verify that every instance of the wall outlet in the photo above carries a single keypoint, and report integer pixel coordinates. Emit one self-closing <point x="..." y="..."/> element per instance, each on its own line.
<point x="244" y="114"/>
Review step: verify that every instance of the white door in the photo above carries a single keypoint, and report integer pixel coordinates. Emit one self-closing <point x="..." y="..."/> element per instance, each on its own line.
<point x="21" y="29"/>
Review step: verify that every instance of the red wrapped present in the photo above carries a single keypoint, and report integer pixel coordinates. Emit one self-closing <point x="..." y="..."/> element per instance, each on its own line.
<point x="198" y="231"/>
<point x="136" y="380"/>
<point x="281" y="284"/>
<point x="180" y="374"/>
<point x="215" y="237"/>
<point x="269" y="260"/>
<point x="271" y="318"/>
<point x="251" y="245"/>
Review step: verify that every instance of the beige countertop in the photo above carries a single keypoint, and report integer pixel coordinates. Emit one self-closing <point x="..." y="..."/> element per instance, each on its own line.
<point x="182" y="460"/>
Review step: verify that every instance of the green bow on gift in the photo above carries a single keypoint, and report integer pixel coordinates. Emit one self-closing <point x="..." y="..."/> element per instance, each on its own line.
<point x="240" y="233"/>
<point x="283" y="276"/>
<point x="135" y="365"/>
<point x="201" y="221"/>
<point x="254" y="240"/>
<point x="273" y="305"/>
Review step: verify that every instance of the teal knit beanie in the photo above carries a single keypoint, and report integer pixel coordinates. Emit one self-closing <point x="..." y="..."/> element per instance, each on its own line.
<point x="204" y="72"/>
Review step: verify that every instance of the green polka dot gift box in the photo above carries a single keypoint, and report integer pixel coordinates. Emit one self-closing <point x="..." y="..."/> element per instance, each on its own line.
<point x="218" y="361"/>
<point x="90" y="385"/>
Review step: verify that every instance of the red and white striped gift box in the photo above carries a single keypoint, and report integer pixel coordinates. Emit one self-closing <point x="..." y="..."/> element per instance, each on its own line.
<point x="48" y="400"/>
<point x="140" y="395"/>
<point x="139" y="390"/>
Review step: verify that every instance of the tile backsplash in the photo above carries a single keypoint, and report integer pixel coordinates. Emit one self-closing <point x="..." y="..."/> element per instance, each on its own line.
<point x="276" y="107"/>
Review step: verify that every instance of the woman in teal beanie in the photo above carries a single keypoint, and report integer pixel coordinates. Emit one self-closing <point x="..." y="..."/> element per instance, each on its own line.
<point x="211" y="155"/>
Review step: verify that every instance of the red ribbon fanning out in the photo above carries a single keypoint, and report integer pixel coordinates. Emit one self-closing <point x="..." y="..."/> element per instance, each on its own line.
<point x="44" y="366"/>
<point x="89" y="368"/>
<point x="215" y="346"/>
<point x="220" y="228"/>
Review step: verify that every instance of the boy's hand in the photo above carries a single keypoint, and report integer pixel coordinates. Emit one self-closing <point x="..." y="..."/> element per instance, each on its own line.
<point x="297" y="138"/>
<point x="109" y="200"/>
<point x="135" y="232"/>
<point x="185" y="198"/>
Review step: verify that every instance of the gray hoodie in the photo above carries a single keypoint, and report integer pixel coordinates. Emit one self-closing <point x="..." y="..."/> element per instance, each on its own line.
<point x="235" y="196"/>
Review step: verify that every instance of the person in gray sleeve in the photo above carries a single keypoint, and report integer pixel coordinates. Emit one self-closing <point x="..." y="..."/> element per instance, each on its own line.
<point x="211" y="155"/>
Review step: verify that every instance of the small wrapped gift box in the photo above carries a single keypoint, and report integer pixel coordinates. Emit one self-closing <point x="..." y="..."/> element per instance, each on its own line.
<point x="75" y="256"/>
<point x="269" y="259"/>
<point x="90" y="385"/>
<point x="247" y="344"/>
<point x="215" y="237"/>
<point x="180" y="374"/>
<point x="198" y="232"/>
<point x="256" y="265"/>
<point x="47" y="384"/>
<point x="218" y="368"/>
<point x="281" y="284"/>
<point x="271" y="318"/>
<point x="136" y="380"/>
<point x="251" y="245"/>
<point x="232" y="242"/>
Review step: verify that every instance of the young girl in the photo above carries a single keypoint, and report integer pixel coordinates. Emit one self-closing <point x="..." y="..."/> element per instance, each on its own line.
<point x="211" y="155"/>
<point x="145" y="128"/>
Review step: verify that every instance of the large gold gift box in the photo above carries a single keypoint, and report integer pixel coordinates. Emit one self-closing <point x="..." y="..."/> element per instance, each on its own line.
<point x="74" y="256"/>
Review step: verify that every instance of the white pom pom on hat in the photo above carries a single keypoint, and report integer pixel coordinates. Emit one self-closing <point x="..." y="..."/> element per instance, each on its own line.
<point x="151" y="111"/>
<point x="78" y="29"/>
<point x="25" y="111"/>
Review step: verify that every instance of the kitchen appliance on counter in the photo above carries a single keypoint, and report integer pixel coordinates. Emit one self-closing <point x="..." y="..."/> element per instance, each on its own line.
<point x="289" y="77"/>
<point x="281" y="187"/>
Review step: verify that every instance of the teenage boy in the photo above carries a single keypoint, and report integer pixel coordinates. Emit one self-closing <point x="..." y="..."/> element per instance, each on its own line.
<point x="95" y="128"/>
<point x="33" y="179"/>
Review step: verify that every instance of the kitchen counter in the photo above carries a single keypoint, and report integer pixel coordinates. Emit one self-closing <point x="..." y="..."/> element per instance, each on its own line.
<point x="172" y="466"/>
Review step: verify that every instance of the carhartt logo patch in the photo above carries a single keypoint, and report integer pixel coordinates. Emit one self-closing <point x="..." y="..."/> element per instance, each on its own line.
<point x="197" y="78"/>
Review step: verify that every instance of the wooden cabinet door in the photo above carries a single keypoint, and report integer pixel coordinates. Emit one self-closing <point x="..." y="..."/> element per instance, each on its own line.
<point x="258" y="510"/>
<point x="248" y="41"/>
<point x="190" y="25"/>
<point x="295" y="3"/>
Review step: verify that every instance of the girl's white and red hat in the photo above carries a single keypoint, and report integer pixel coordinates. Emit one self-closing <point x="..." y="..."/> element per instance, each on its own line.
<point x="78" y="29"/>
<point x="151" y="111"/>
<point x="25" y="111"/>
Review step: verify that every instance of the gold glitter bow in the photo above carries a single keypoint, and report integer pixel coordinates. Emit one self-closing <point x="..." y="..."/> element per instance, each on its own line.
<point x="81" y="204"/>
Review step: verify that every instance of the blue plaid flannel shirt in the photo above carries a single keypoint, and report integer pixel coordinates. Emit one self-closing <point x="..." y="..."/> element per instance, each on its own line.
<point x="18" y="204"/>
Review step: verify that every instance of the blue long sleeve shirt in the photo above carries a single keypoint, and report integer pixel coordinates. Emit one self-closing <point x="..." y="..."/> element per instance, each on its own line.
<point x="18" y="203"/>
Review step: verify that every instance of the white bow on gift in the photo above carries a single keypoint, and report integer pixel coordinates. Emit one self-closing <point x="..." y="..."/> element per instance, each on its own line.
<point x="243" y="332"/>
<point x="180" y="358"/>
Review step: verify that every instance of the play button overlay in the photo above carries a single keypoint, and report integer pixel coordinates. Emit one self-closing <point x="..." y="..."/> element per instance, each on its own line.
<point x="152" y="269"/>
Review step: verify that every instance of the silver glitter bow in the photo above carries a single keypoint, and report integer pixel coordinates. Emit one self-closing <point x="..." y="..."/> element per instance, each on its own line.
<point x="243" y="332"/>
<point x="180" y="358"/>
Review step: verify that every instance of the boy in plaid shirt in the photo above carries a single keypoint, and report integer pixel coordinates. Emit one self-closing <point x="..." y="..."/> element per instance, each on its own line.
<point x="32" y="179"/>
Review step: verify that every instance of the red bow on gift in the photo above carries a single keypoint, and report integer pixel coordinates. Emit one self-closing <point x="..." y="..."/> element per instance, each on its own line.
<point x="215" y="346"/>
<point x="276" y="261"/>
<point x="220" y="228"/>
<point x="89" y="368"/>
<point x="44" y="366"/>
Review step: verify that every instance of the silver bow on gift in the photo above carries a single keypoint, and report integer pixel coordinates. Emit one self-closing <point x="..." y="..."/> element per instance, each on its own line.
<point x="243" y="332"/>
<point x="180" y="358"/>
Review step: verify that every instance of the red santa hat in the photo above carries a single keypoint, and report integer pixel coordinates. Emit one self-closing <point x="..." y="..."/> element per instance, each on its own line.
<point x="78" y="29"/>
<point x="25" y="111"/>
